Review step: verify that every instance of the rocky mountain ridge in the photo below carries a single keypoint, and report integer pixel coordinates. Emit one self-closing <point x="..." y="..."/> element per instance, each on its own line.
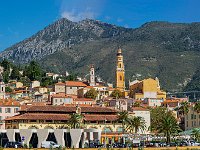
<point x="169" y="51"/>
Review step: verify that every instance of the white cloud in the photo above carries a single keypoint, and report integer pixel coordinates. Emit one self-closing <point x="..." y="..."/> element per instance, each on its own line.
<point x="77" y="16"/>
<point x="76" y="10"/>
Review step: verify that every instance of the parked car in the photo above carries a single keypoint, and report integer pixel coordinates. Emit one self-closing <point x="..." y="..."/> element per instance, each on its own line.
<point x="173" y="144"/>
<point x="49" y="144"/>
<point x="162" y="144"/>
<point x="13" y="144"/>
<point x="118" y="145"/>
<point x="194" y="143"/>
<point x="183" y="143"/>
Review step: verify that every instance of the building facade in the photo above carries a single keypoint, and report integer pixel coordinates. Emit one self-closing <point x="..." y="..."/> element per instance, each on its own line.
<point x="192" y="119"/>
<point x="8" y="108"/>
<point x="56" y="117"/>
<point x="147" y="88"/>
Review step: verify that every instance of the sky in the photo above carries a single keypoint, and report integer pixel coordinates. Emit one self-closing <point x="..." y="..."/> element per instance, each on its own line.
<point x="20" y="19"/>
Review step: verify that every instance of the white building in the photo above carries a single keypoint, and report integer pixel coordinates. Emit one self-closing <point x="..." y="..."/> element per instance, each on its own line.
<point x="144" y="113"/>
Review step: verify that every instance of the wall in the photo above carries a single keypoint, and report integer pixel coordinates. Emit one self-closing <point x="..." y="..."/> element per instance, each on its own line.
<point x="147" y="118"/>
<point x="4" y="115"/>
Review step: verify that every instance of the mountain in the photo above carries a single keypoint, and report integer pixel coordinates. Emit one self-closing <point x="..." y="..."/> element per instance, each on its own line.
<point x="169" y="51"/>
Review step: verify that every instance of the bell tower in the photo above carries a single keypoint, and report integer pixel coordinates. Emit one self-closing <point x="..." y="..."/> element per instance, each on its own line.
<point x="2" y="87"/>
<point x="120" y="71"/>
<point x="92" y="76"/>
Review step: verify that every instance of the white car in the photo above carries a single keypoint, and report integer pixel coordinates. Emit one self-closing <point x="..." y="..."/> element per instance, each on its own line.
<point x="49" y="144"/>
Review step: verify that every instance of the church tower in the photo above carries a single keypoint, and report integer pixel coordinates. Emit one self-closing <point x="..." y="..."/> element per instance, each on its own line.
<point x="120" y="71"/>
<point x="2" y="87"/>
<point x="92" y="76"/>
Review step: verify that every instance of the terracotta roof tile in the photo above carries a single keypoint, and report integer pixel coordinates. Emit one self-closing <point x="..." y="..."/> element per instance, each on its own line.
<point x="9" y="102"/>
<point x="60" y="95"/>
<point x="83" y="99"/>
<point x="139" y="109"/>
<point x="75" y="83"/>
<point x="39" y="116"/>
<point x="64" y="109"/>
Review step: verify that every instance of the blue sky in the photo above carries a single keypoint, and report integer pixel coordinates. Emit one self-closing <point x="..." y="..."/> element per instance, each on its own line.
<point x="19" y="19"/>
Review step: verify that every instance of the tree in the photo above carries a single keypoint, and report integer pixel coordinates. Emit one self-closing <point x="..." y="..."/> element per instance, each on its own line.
<point x="136" y="123"/>
<point x="184" y="108"/>
<point x="8" y="89"/>
<point x="156" y="117"/>
<point x="137" y="104"/>
<point x="168" y="125"/>
<point x="116" y="93"/>
<point x="75" y="120"/>
<point x="25" y="80"/>
<point x="5" y="75"/>
<point x="33" y="71"/>
<point x="123" y="117"/>
<point x="197" y="107"/>
<point x="92" y="93"/>
<point x="71" y="77"/>
<point x="6" y="65"/>
<point x="45" y="81"/>
<point x="15" y="74"/>
<point x="196" y="134"/>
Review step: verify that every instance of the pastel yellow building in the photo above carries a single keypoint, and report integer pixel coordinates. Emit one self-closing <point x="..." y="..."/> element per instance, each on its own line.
<point x="120" y="71"/>
<point x="147" y="88"/>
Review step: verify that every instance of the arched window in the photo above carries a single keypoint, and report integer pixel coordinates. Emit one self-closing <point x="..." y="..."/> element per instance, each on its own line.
<point x="120" y="78"/>
<point x="120" y="65"/>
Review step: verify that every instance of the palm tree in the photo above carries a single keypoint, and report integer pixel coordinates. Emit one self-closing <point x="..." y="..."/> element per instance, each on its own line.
<point x="168" y="126"/>
<point x="136" y="123"/>
<point x="196" y="134"/>
<point x="197" y="107"/>
<point x="123" y="117"/>
<point x="184" y="108"/>
<point x="75" y="120"/>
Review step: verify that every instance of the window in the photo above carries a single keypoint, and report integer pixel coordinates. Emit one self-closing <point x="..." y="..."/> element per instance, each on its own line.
<point x="70" y="87"/>
<point x="33" y="121"/>
<point x="191" y="116"/>
<point x="56" y="100"/>
<point x="16" y="110"/>
<point x="8" y="110"/>
<point x="1" y="110"/>
<point x="120" y="78"/>
<point x="60" y="100"/>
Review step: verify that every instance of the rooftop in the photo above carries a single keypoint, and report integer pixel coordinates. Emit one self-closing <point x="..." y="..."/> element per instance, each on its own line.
<point x="75" y="83"/>
<point x="64" y="109"/>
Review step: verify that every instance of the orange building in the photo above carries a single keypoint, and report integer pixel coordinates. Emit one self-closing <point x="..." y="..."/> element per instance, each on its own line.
<point x="147" y="88"/>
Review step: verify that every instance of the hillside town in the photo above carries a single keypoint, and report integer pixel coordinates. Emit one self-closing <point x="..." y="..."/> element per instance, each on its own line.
<point x="120" y="112"/>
